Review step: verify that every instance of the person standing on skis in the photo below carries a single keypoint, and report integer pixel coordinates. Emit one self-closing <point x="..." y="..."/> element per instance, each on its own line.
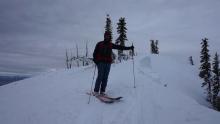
<point x="102" y="56"/>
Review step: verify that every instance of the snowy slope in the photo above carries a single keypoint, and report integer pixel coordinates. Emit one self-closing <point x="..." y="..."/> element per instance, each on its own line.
<point x="168" y="92"/>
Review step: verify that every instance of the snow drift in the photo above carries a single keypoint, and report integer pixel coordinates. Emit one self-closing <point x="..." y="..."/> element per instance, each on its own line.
<point x="168" y="91"/>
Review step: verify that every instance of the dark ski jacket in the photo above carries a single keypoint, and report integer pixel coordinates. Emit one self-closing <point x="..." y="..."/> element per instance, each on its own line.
<point x="103" y="51"/>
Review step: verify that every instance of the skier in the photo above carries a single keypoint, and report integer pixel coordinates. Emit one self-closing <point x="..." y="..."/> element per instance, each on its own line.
<point x="102" y="56"/>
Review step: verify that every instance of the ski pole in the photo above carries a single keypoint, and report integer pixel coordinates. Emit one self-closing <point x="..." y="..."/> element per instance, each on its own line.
<point x="92" y="85"/>
<point x="133" y="67"/>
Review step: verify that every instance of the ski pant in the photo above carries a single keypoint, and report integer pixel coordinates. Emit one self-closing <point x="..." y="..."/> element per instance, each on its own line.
<point x="102" y="78"/>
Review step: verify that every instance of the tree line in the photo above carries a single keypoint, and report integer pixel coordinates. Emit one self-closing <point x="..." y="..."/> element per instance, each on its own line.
<point x="210" y="74"/>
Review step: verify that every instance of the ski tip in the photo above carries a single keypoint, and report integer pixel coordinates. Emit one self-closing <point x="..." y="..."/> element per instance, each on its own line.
<point x="109" y="102"/>
<point x="119" y="98"/>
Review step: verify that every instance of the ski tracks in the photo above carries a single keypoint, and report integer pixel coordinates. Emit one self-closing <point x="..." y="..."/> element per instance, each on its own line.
<point x="129" y="114"/>
<point x="137" y="107"/>
<point x="90" y="114"/>
<point x="142" y="107"/>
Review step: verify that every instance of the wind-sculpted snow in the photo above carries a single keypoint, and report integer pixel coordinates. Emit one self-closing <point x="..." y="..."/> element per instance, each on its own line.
<point x="166" y="92"/>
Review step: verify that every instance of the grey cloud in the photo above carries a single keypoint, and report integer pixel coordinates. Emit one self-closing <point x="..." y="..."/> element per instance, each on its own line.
<point x="41" y="30"/>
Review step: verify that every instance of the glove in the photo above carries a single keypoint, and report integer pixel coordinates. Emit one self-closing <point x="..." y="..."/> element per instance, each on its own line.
<point x="95" y="61"/>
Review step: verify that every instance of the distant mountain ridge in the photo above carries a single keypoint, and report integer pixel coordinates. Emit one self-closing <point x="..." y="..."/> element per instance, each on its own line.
<point x="9" y="79"/>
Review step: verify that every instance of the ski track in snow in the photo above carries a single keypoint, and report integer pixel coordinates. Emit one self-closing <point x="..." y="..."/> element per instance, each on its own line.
<point x="62" y="99"/>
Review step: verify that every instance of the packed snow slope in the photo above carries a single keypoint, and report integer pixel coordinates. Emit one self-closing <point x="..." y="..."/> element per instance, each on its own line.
<point x="168" y="91"/>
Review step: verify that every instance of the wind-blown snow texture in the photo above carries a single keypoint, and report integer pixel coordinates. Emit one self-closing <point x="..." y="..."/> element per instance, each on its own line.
<point x="167" y="92"/>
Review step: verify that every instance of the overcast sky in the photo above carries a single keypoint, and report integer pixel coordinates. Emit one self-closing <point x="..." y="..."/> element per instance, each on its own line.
<point x="35" y="33"/>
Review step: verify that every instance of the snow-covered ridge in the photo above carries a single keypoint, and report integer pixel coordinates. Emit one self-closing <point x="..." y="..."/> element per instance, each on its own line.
<point x="167" y="91"/>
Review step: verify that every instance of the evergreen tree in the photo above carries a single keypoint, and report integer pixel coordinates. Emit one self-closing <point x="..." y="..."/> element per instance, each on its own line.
<point x="152" y="47"/>
<point x="191" y="60"/>
<point x="67" y="60"/>
<point x="215" y="79"/>
<point x="77" y="55"/>
<point x="205" y="68"/>
<point x="108" y="26"/>
<point x="156" y="47"/>
<point x="122" y="30"/>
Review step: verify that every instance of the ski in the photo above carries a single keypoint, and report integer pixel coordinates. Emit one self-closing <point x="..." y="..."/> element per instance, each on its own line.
<point x="101" y="98"/>
<point x="114" y="98"/>
<point x="106" y="99"/>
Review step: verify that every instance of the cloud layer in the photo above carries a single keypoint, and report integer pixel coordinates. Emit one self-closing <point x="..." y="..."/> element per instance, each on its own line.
<point x="35" y="33"/>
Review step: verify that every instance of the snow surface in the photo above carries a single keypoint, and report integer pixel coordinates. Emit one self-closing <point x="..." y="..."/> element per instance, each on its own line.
<point x="168" y="91"/>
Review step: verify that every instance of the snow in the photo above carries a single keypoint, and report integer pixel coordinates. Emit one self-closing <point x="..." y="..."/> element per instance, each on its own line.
<point x="168" y="91"/>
